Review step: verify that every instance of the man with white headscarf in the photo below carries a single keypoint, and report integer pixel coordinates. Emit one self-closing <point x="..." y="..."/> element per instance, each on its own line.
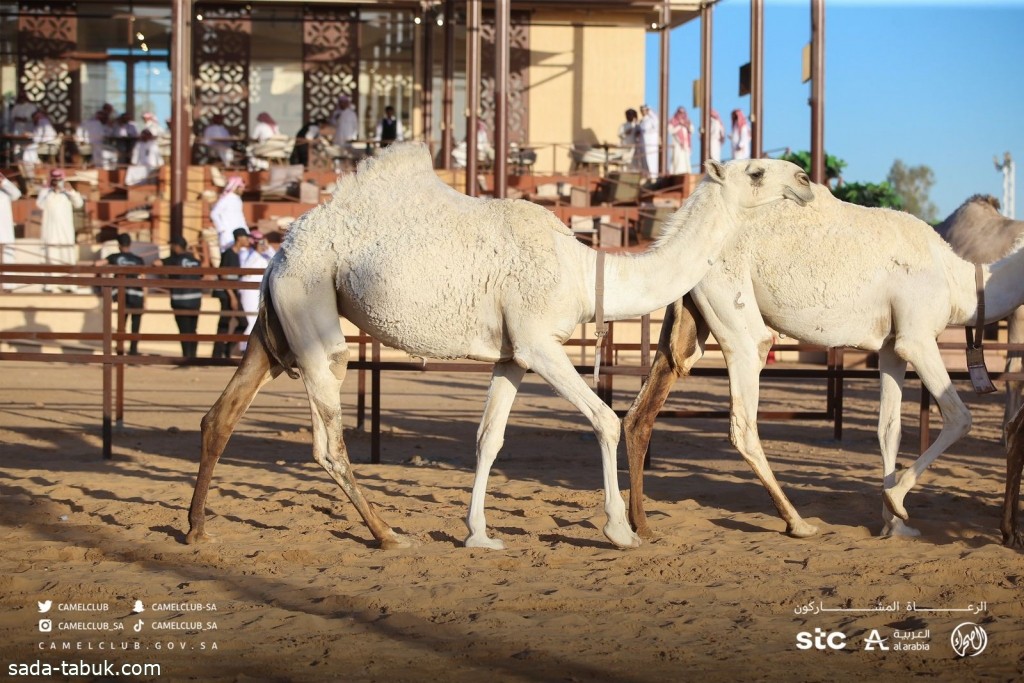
<point x="9" y="193"/>
<point x="651" y="133"/>
<point x="227" y="215"/>
<point x="345" y="122"/>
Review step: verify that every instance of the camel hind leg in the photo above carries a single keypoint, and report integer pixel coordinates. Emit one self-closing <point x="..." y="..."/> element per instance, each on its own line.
<point x="1014" y="364"/>
<point x="681" y="345"/>
<point x="892" y="371"/>
<point x="313" y="330"/>
<point x="255" y="370"/>
<point x="1013" y="537"/>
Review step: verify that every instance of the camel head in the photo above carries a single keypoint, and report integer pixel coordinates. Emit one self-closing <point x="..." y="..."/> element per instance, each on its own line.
<point x="750" y="183"/>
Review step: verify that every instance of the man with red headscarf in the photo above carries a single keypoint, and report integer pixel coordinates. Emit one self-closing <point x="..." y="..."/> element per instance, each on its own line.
<point x="681" y="129"/>
<point x="58" y="203"/>
<point x="740" y="135"/>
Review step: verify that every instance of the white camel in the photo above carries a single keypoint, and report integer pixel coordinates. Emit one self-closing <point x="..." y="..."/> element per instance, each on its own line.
<point x="980" y="234"/>
<point x="833" y="274"/>
<point x="439" y="274"/>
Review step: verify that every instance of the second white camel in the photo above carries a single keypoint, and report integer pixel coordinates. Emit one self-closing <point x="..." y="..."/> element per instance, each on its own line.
<point x="833" y="274"/>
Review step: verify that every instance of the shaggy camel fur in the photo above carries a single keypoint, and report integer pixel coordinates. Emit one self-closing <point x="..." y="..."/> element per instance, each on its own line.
<point x="980" y="234"/>
<point x="439" y="274"/>
<point x="834" y="274"/>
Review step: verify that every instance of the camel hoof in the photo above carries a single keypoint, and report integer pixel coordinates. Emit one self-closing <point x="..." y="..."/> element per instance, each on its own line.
<point x="196" y="535"/>
<point x="801" y="529"/>
<point x="482" y="541"/>
<point x="896" y="527"/>
<point x="645" y="532"/>
<point x="894" y="503"/>
<point x="396" y="541"/>
<point x="622" y="539"/>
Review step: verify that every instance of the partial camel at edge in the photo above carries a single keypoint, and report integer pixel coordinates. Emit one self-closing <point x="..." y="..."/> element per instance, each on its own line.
<point x="832" y="274"/>
<point x="980" y="234"/>
<point x="438" y="274"/>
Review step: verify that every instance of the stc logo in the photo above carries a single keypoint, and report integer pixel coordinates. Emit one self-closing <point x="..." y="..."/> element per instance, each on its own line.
<point x="820" y="640"/>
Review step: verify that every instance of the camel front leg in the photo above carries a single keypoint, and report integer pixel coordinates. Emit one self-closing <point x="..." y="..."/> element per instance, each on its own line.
<point x="738" y="327"/>
<point x="255" y="370"/>
<point x="550" y="362"/>
<point x="683" y="335"/>
<point x="892" y="370"/>
<point x="956" y="419"/>
<point x="1012" y="535"/>
<point x="505" y="380"/>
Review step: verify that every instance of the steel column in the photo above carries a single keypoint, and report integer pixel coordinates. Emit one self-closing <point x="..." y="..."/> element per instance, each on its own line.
<point x="502" y="25"/>
<point x="705" y="81"/>
<point x="181" y="110"/>
<point x="756" y="78"/>
<point x="472" y="93"/>
<point x="448" y="93"/>
<point x="818" y="91"/>
<point x="663" y="69"/>
<point x="428" y="80"/>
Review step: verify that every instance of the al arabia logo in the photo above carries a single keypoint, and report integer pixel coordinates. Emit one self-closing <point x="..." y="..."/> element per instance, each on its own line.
<point x="968" y="639"/>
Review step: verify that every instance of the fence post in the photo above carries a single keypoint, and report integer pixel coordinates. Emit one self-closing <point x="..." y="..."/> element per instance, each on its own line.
<point x="108" y="350"/>
<point x="375" y="405"/>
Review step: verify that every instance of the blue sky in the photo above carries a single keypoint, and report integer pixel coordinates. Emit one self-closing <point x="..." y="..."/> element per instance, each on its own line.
<point x="929" y="82"/>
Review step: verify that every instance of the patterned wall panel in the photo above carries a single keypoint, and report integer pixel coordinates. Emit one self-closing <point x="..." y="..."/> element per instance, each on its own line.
<point x="330" y="60"/>
<point x="221" y="47"/>
<point x="518" y="82"/>
<point x="47" y="35"/>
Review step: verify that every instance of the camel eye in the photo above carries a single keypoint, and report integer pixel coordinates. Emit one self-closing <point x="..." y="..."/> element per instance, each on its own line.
<point x="757" y="176"/>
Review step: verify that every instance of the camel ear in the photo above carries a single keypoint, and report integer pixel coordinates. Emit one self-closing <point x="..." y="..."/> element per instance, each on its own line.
<point x="715" y="170"/>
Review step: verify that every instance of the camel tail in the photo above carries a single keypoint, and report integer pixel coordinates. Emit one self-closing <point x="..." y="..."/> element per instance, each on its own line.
<point x="271" y="333"/>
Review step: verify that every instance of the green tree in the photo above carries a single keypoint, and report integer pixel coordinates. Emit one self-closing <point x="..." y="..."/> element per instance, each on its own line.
<point x="869" y="194"/>
<point x="913" y="184"/>
<point x="833" y="165"/>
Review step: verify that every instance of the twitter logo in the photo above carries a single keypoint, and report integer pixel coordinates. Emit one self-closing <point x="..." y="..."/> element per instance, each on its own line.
<point x="44" y="606"/>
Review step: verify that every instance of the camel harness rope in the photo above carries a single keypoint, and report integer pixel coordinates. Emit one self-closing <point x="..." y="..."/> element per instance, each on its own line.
<point x="600" y="326"/>
<point x="975" y="355"/>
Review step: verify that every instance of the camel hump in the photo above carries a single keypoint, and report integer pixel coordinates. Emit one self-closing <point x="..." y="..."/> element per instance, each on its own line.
<point x="396" y="161"/>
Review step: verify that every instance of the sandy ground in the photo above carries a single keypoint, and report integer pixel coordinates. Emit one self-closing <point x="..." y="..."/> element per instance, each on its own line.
<point x="296" y="591"/>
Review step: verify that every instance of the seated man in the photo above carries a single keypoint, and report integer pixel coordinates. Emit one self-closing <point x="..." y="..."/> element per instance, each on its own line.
<point x="217" y="137"/>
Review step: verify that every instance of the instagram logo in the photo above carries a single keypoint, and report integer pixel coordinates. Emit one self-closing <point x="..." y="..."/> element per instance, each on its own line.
<point x="45" y="625"/>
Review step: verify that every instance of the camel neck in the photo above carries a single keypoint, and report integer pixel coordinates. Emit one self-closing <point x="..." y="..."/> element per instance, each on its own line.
<point x="1004" y="288"/>
<point x="639" y="284"/>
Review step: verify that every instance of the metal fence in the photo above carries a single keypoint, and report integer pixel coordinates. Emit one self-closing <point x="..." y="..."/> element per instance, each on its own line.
<point x="107" y="348"/>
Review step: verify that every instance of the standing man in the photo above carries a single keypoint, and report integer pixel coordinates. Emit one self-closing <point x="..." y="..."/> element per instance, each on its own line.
<point x="133" y="296"/>
<point x="717" y="136"/>
<point x="345" y="122"/>
<point x="389" y="129"/>
<point x="230" y="304"/>
<point x="650" y="131"/>
<point x="740" y="136"/>
<point x="184" y="302"/>
<point x="9" y="193"/>
<point x="58" y="204"/>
